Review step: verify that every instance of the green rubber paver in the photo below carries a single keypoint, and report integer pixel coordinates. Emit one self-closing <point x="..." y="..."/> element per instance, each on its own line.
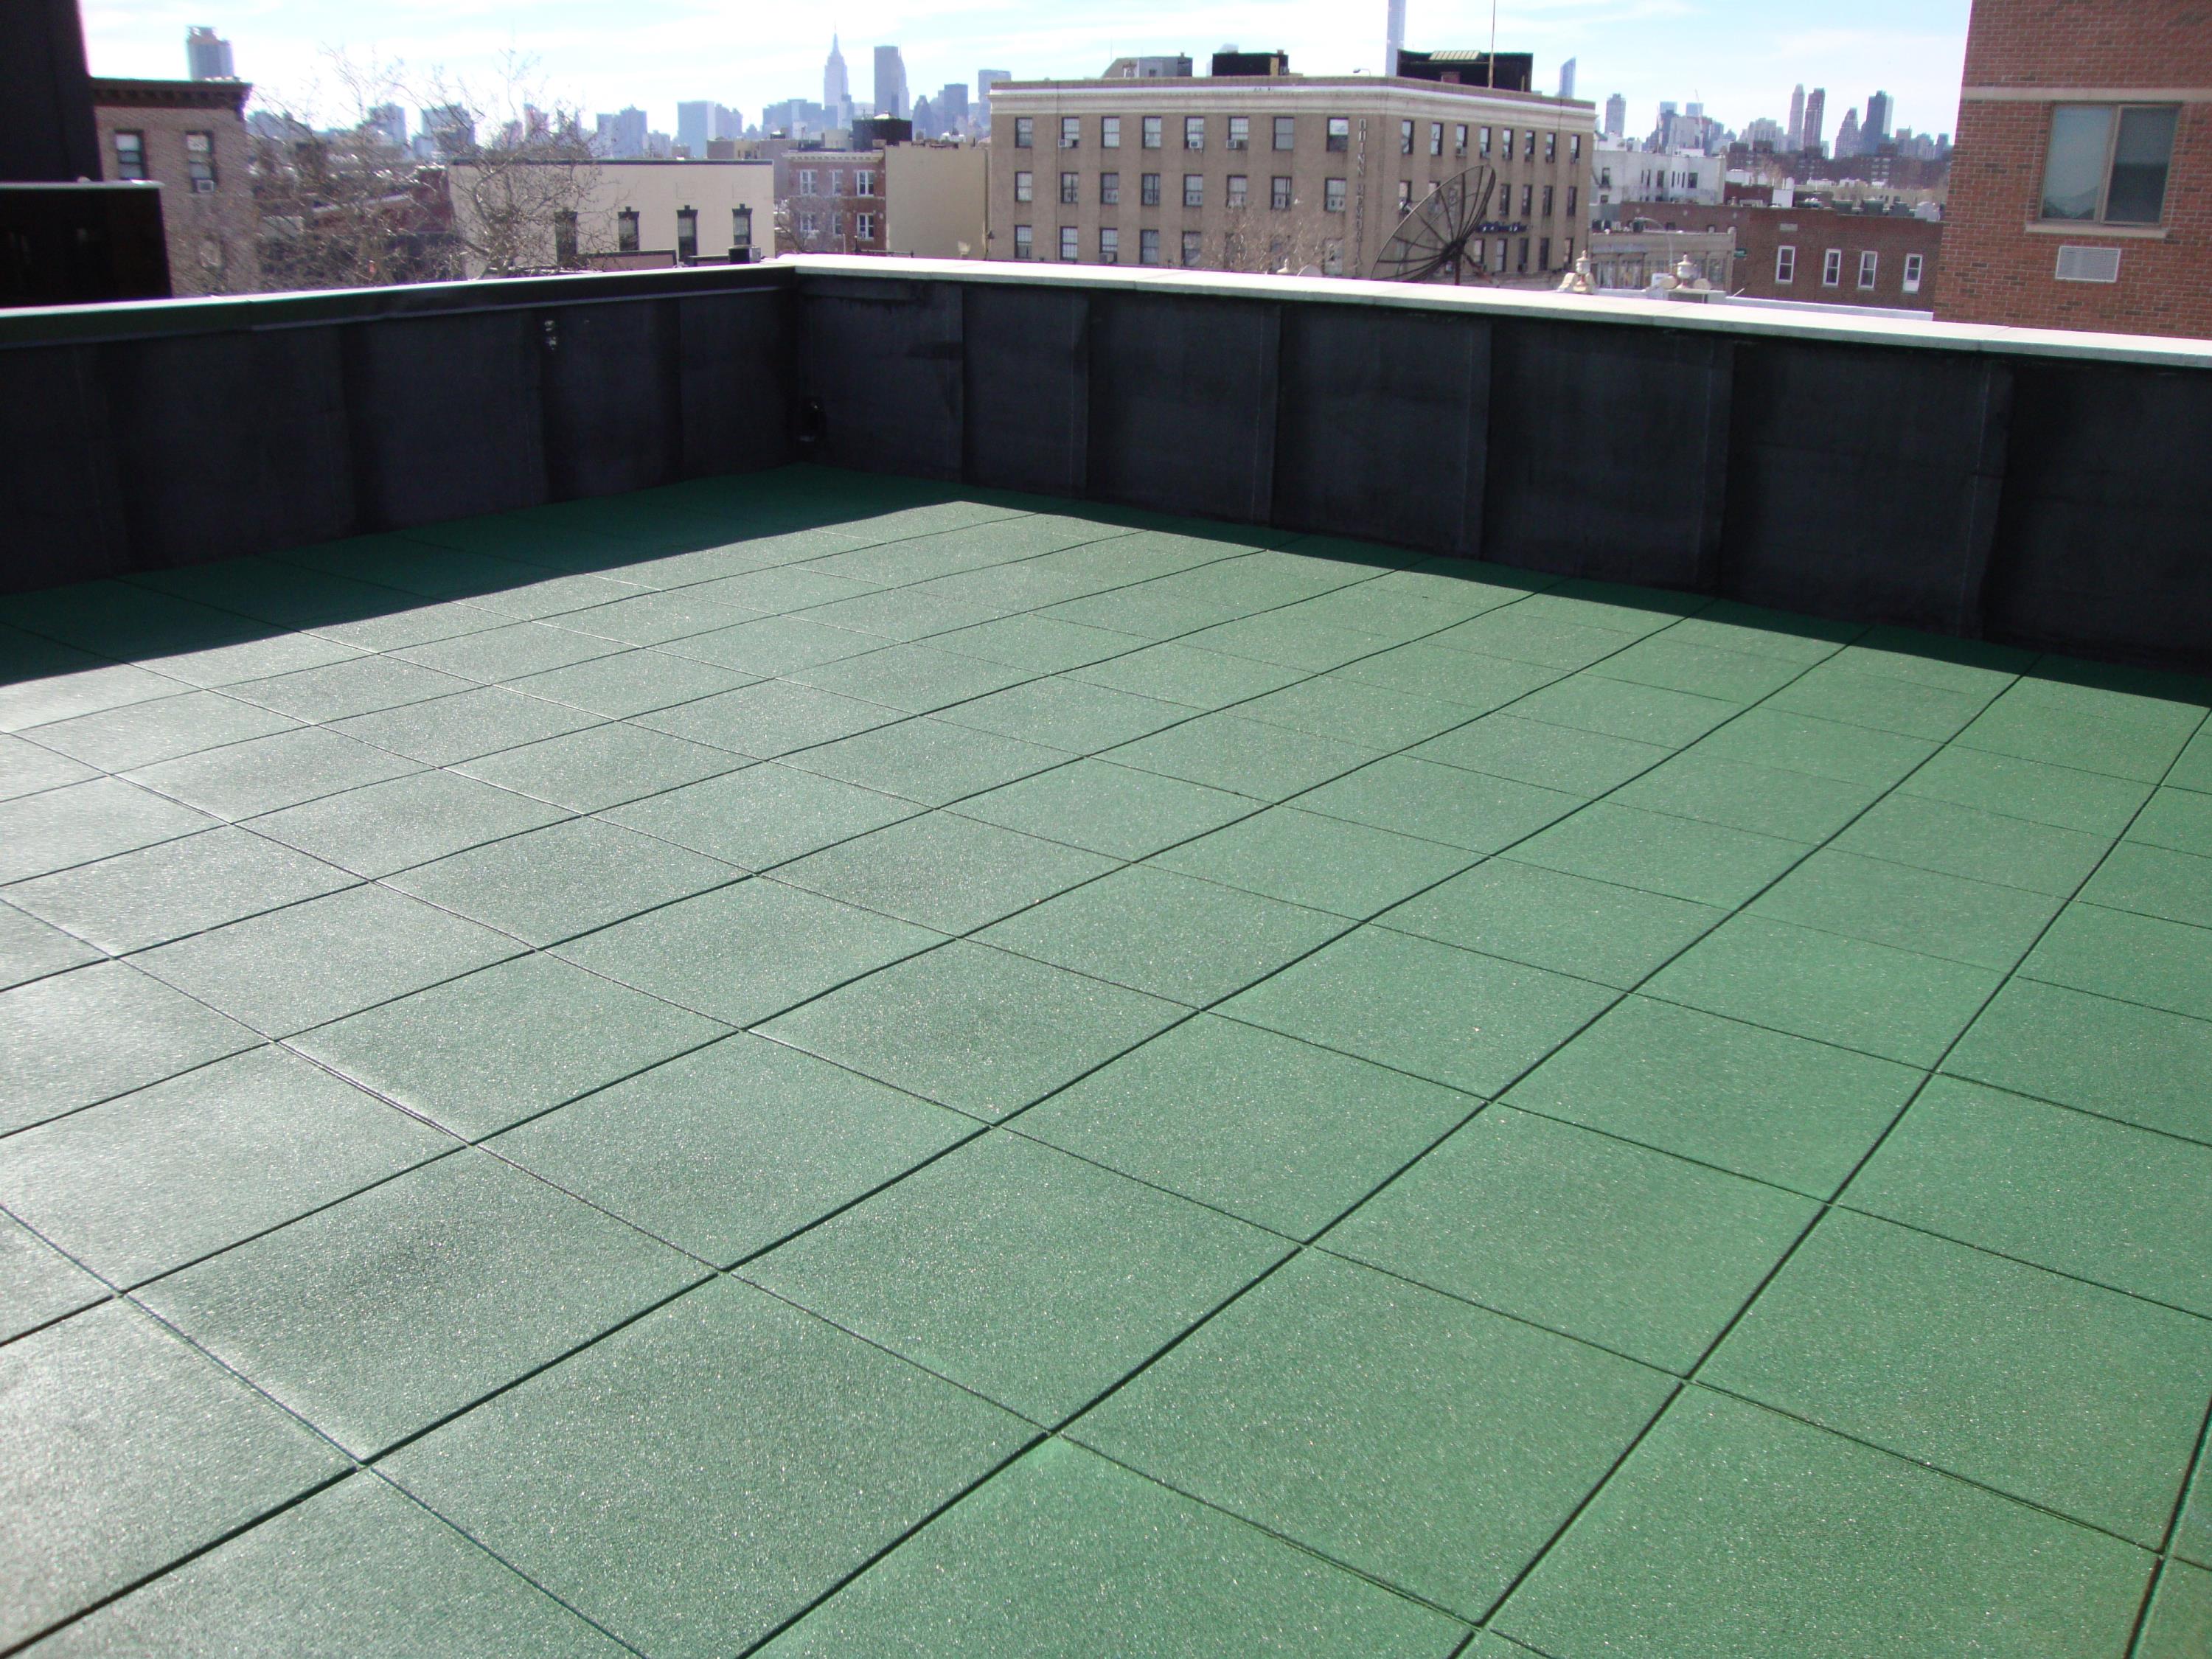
<point x="1977" y="923"/>
<point x="1552" y="757"/>
<point x="2115" y="953"/>
<point x="605" y="765"/>
<point x="39" y="1284"/>
<point x="2061" y="795"/>
<point x="2180" y="1623"/>
<point x="83" y="822"/>
<point x="1472" y="811"/>
<point x="1965" y="841"/>
<point x="946" y="872"/>
<point x="1681" y="858"/>
<point x="388" y="827"/>
<point x="929" y="761"/>
<point x="762" y="816"/>
<point x="78" y="1038"/>
<point x="1764" y="800"/>
<point x="630" y="683"/>
<point x="1324" y="864"/>
<point x="1066" y="713"/>
<point x="30" y="950"/>
<point x="1105" y="808"/>
<point x="141" y="734"/>
<point x="768" y="718"/>
<point x="445" y="730"/>
<point x="244" y="780"/>
<point x="1642" y="714"/>
<point x="2154" y="881"/>
<point x="1765" y="736"/>
<point x="1681" y="664"/>
<point x="1842" y="691"/>
<point x="26" y="767"/>
<point x="2119" y="1059"/>
<point x="1245" y="757"/>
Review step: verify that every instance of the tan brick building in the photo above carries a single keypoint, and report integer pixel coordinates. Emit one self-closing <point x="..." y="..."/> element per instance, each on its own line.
<point x="190" y="138"/>
<point x="1816" y="254"/>
<point x="1265" y="173"/>
<point x="2082" y="182"/>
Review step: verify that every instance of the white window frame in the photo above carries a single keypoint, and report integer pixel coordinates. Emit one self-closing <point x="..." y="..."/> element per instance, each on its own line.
<point x="1109" y="245"/>
<point x="1025" y="242"/>
<point x="1070" y="132"/>
<point x="864" y="226"/>
<point x="1832" y="267"/>
<point x="1109" y="132"/>
<point x="1333" y="195"/>
<point x="1025" y="186"/>
<point x="1870" y="270"/>
<point x="1785" y="264"/>
<point x="1286" y="132"/>
<point x="1193" y="190"/>
<point x="1071" y="245"/>
<point x="1915" y="266"/>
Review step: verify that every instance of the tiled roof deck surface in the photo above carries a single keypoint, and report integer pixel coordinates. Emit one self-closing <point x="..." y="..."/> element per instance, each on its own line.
<point x="810" y="1060"/>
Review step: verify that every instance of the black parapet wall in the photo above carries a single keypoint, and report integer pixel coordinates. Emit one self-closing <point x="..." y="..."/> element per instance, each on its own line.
<point x="2043" y="488"/>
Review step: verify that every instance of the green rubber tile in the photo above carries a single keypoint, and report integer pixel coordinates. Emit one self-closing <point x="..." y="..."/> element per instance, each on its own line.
<point x="2028" y="730"/>
<point x="2074" y="1398"/>
<point x="443" y="730"/>
<point x="382" y="1314"/>
<point x="51" y="683"/>
<point x="1157" y="610"/>
<point x="653" y="618"/>
<point x="1778" y="1108"/>
<point x="39" y="1284"/>
<point x="1618" y="605"/>
<point x="382" y="619"/>
<point x="906" y="614"/>
<point x="1466" y="679"/>
<point x="2194" y="768"/>
<point x="506" y="653"/>
<point x="773" y="590"/>
<point x="1064" y="1554"/>
<point x="483" y="1052"/>
<point x="141" y="734"/>
<point x="630" y="683"/>
<point x="1885" y="903"/>
<point x="2078" y="1194"/>
<point x="1279" y="1411"/>
<point x="605" y="766"/>
<point x="1452" y="1015"/>
<point x="1272" y="1130"/>
<point x="554" y="884"/>
<point x="1678" y="664"/>
<point x="1226" y="751"/>
<point x="1759" y="1536"/>
<point x="126" y="1451"/>
<point x="1294" y="638"/>
<point x="1064" y="712"/>
<point x="2118" y="1060"/>
<point x="1555" y="641"/>
<point x="76" y="1038"/>
<point x="416" y="566"/>
<point x="1840" y="690"/>
<point x="737" y="1458"/>
<point x="26" y="768"/>
<point x="1322" y="863"/>
<point x="82" y="822"/>
<point x="1036" y="643"/>
<point x="358" y="1569"/>
<point x="945" y="871"/>
<point x="1036" y="1279"/>
<point x="360" y="685"/>
<point x="1900" y="1005"/>
<point x="1634" y="1251"/>
<point x="1964" y="841"/>
<point x="1733" y="626"/>
<point x="2178" y="819"/>
<point x="762" y="816"/>
<point x="1817" y="748"/>
<point x="177" y="887"/>
<point x="2154" y="881"/>
<point x="1938" y="659"/>
<point x="769" y="718"/>
<point x="1762" y="800"/>
<point x="774" y="645"/>
<point x="1116" y="810"/>
<point x="2179" y="1624"/>
<point x="2061" y="795"/>
<point x="1554" y="756"/>
<point x="728" y="1150"/>
<point x="283" y="972"/>
<point x="914" y="678"/>
<point x="560" y="596"/>
<point x="1188" y="674"/>
<point x="1374" y="717"/>
<point x="981" y="1031"/>
<point x="1594" y="930"/>
<point x="385" y="827"/>
<point x="930" y="761"/>
<point x="2144" y="699"/>
<point x="1477" y="812"/>
<point x="2114" y="953"/>
<point x="2192" y="1530"/>
<point x="1615" y="709"/>
<point x="1173" y="935"/>
<point x="172" y="1173"/>
<point x="742" y="953"/>
<point x="30" y="950"/>
<point x="245" y="780"/>
<point x="1681" y="858"/>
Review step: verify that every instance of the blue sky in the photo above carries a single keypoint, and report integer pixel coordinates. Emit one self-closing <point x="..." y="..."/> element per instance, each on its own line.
<point x="1740" y="56"/>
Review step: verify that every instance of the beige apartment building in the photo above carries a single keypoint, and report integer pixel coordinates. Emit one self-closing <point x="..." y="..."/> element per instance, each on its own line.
<point x="626" y="215"/>
<point x="1278" y="172"/>
<point x="188" y="136"/>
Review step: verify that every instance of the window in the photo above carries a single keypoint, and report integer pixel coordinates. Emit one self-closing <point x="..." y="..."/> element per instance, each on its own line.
<point x="1148" y="247"/>
<point x="1238" y="190"/>
<point x="836" y="224"/>
<point x="1405" y="138"/>
<point x="1524" y="254"/>
<point x="1193" y="190"/>
<point x="1025" y="132"/>
<point x="1286" y="131"/>
<point x="1914" y="265"/>
<point x="2108" y="162"/>
<point x="1150" y="135"/>
<point x="1025" y="186"/>
<point x="741" y="227"/>
<point x="1339" y="132"/>
<point x="1543" y="254"/>
<point x="1110" y="190"/>
<point x="1279" y="193"/>
<point x="1459" y="139"/>
<point x="1110" y="246"/>
<point x="1547" y="201"/>
<point x="864" y="226"/>
<point x="1405" y="195"/>
<point x="1435" y="137"/>
<point x="1332" y="259"/>
<point x="687" y="233"/>
<point x="1484" y="139"/>
<point x="837" y="182"/>
<point x="1071" y="132"/>
<point x="1551" y="147"/>
<point x="1025" y="242"/>
<point x="1071" y="189"/>
<point x="1506" y="142"/>
<point x="1832" y="267"/>
<point x="1149" y="190"/>
<point x="564" y="239"/>
<point x="1109" y="132"/>
<point x="1573" y="192"/>
<point x="1869" y="262"/>
<point x="1190" y="247"/>
<point x="1574" y="147"/>
<point x="1069" y="250"/>
<point x="1193" y="132"/>
<point x="199" y="162"/>
<point x="1240" y="132"/>
<point x="1332" y="195"/>
<point x="1528" y="200"/>
<point x="1528" y="145"/>
<point x="1785" y="264"/>
<point x="131" y="156"/>
<point x="626" y="231"/>
<point x="806" y="181"/>
<point x="864" y="184"/>
<point x="807" y="224"/>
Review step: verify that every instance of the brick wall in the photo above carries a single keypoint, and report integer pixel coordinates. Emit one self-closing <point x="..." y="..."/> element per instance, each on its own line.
<point x="1761" y="232"/>
<point x="214" y="237"/>
<point x="1998" y="270"/>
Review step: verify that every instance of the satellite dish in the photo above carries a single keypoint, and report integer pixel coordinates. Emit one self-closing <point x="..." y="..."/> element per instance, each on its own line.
<point x="1442" y="236"/>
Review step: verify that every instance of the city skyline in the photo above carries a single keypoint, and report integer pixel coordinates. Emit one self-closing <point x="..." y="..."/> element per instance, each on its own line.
<point x="1645" y="50"/>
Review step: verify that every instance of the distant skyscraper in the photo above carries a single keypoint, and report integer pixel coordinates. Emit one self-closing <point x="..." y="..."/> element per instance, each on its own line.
<point x="984" y="80"/>
<point x="1567" y="79"/>
<point x="1797" y="118"/>
<point x="1616" y="116"/>
<point x="1394" y="34"/>
<point x="890" y="83"/>
<point x="1875" y="132"/>
<point x="1847" y="135"/>
<point x="620" y="136"/>
<point x="1816" y="115"/>
<point x="207" y="54"/>
<point x="952" y="108"/>
<point x="451" y="130"/>
<point x="389" y="123"/>
<point x="693" y="126"/>
<point x="837" y="89"/>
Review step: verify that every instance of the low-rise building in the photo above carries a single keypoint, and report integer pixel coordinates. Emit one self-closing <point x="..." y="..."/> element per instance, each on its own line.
<point x="1812" y="253"/>
<point x="1629" y="259"/>
<point x="935" y="199"/>
<point x="609" y="215"/>
<point x="190" y="138"/>
<point x="1623" y="179"/>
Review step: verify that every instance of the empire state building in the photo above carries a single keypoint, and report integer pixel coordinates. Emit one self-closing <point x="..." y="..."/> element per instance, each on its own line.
<point x="837" y="92"/>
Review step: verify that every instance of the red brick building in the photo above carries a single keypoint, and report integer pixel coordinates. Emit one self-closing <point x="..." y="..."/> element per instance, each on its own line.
<point x="1815" y="254"/>
<point x="2082" y="180"/>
